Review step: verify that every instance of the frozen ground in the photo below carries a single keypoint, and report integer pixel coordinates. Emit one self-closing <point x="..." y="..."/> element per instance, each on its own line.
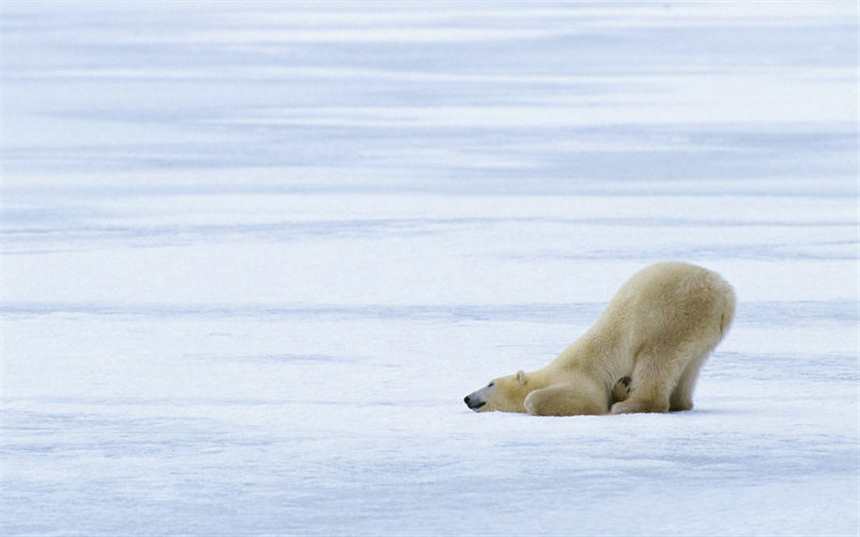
<point x="254" y="256"/>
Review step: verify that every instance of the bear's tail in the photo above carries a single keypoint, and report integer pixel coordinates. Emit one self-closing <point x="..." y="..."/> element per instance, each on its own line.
<point x="727" y="316"/>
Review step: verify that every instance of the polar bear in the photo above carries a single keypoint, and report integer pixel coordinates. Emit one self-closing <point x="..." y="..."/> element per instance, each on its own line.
<point x="658" y="330"/>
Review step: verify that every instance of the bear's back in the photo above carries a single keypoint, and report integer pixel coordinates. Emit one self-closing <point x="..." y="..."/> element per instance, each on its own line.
<point x="668" y="300"/>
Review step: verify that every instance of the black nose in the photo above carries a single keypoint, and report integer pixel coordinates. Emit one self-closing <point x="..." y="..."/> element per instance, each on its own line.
<point x="467" y="401"/>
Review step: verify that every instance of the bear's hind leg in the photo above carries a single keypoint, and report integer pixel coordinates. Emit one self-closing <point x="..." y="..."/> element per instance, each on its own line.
<point x="561" y="400"/>
<point x="682" y="396"/>
<point x="654" y="377"/>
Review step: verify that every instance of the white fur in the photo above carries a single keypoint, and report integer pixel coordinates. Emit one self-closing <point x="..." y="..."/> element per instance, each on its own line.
<point x="658" y="329"/>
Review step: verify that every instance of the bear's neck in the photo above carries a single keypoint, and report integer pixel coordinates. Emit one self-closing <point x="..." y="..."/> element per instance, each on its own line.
<point x="588" y="358"/>
<point x="541" y="378"/>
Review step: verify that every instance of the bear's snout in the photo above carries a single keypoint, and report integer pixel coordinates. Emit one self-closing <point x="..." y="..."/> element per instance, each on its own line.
<point x="473" y="402"/>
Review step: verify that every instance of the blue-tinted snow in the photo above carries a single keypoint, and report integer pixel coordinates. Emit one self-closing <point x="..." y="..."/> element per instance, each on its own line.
<point x="253" y="255"/>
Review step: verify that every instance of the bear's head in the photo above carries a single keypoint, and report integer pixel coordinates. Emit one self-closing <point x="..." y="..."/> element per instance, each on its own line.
<point x="505" y="394"/>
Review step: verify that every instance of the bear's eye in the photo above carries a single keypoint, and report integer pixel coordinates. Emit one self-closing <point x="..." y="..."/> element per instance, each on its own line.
<point x="490" y="385"/>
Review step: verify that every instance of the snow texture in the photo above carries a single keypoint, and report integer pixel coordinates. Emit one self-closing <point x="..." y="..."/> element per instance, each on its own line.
<point x="254" y="255"/>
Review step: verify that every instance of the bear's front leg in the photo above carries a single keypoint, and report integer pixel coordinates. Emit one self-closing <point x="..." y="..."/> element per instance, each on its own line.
<point x="620" y="391"/>
<point x="561" y="400"/>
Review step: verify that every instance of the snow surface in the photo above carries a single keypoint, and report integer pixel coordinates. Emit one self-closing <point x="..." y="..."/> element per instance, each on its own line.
<point x="254" y="255"/>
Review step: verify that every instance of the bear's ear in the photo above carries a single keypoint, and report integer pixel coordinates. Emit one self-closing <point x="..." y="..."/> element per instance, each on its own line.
<point x="522" y="378"/>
